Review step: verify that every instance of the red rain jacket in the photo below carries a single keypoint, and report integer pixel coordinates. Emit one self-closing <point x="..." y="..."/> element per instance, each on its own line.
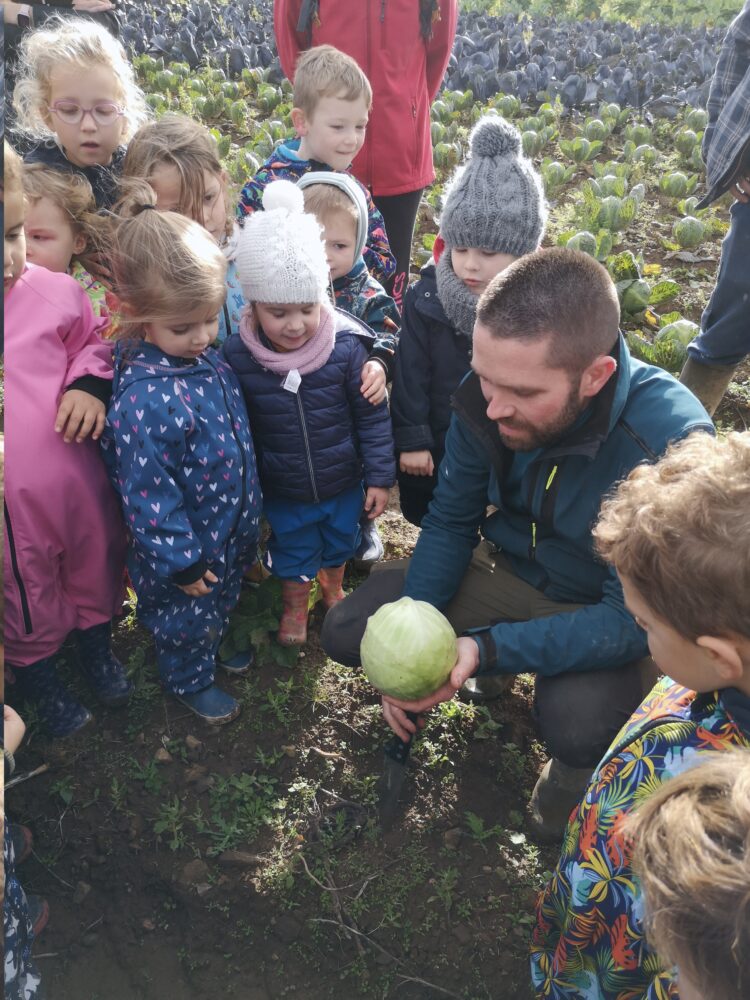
<point x="404" y="70"/>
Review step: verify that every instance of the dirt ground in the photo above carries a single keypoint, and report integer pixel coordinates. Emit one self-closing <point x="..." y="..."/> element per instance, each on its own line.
<point x="182" y="863"/>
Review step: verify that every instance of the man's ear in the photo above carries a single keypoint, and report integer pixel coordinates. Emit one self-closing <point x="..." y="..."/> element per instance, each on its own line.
<point x="299" y="121"/>
<point x="596" y="375"/>
<point x="725" y="656"/>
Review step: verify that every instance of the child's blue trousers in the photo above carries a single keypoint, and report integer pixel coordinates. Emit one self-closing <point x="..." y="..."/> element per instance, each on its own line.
<point x="307" y="537"/>
<point x="187" y="630"/>
<point x="724" y="338"/>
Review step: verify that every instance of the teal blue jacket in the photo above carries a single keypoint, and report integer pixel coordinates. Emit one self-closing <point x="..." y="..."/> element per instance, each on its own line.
<point x="546" y="502"/>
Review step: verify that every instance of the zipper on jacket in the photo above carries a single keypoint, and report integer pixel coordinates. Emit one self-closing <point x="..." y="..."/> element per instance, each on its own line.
<point x="241" y="450"/>
<point x="17" y="576"/>
<point x="227" y="322"/>
<point x="307" y="447"/>
<point x="547" y="486"/>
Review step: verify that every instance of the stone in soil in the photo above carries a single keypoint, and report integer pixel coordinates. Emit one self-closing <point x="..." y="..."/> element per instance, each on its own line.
<point x="195" y="872"/>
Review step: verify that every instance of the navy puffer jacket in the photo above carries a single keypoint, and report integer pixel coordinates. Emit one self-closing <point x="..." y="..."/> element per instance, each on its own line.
<point x="326" y="437"/>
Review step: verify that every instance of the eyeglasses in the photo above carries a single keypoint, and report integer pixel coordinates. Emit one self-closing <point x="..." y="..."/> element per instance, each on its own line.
<point x="103" y="113"/>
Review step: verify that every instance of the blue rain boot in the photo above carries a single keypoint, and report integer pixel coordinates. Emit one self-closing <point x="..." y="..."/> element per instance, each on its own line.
<point x="61" y="714"/>
<point x="102" y="670"/>
<point x="240" y="663"/>
<point x="213" y="705"/>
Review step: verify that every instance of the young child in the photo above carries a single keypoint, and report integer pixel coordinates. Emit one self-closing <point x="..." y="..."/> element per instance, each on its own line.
<point x="179" y="450"/>
<point x="338" y="203"/>
<point x="332" y="101"/>
<point x="679" y="536"/>
<point x="64" y="539"/>
<point x="76" y="95"/>
<point x="62" y="226"/>
<point x="691" y="854"/>
<point x="494" y="213"/>
<point x="318" y="438"/>
<point x="180" y="160"/>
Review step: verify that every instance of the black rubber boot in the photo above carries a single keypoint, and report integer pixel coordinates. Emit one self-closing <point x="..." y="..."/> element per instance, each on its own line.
<point x="60" y="712"/>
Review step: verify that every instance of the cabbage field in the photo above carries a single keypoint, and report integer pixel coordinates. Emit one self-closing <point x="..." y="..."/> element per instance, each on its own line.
<point x="183" y="863"/>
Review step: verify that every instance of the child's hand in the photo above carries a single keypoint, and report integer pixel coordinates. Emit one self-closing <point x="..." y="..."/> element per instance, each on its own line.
<point x="79" y="415"/>
<point x="97" y="264"/>
<point x="376" y="500"/>
<point x="373" y="382"/>
<point x="15" y="727"/>
<point x="416" y="463"/>
<point x="200" y="588"/>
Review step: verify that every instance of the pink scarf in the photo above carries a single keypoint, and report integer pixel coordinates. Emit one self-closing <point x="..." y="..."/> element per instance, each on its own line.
<point x="308" y="358"/>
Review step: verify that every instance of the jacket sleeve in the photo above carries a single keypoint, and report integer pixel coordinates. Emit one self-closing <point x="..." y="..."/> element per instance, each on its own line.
<point x="410" y="396"/>
<point x="440" y="45"/>
<point x="289" y="42"/>
<point x="373" y="426"/>
<point x="595" y="637"/>
<point x="381" y="315"/>
<point x="153" y="503"/>
<point x="380" y="261"/>
<point x="450" y="529"/>
<point x="731" y="70"/>
<point x="88" y="354"/>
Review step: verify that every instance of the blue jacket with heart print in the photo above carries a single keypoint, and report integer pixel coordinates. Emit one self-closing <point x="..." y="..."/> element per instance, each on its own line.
<point x="178" y="448"/>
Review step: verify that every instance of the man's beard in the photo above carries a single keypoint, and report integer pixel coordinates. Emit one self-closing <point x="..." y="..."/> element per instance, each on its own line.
<point x="532" y="437"/>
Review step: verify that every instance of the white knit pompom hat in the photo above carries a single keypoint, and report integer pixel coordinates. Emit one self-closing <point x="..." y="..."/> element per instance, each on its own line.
<point x="280" y="255"/>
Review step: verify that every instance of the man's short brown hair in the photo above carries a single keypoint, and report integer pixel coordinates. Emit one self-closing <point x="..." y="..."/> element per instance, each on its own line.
<point x="323" y="71"/>
<point x="680" y="531"/>
<point x="559" y="295"/>
<point x="692" y="853"/>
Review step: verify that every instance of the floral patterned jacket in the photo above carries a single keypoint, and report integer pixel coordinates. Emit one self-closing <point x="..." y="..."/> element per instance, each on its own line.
<point x="589" y="941"/>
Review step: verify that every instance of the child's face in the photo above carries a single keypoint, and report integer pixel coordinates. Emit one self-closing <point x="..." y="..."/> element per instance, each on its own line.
<point x="476" y="267"/>
<point x="167" y="186"/>
<point x="681" y="659"/>
<point x="334" y="133"/>
<point x="184" y="336"/>
<point x="288" y="327"/>
<point x="87" y="142"/>
<point x="51" y="239"/>
<point x="14" y="256"/>
<point x="339" y="234"/>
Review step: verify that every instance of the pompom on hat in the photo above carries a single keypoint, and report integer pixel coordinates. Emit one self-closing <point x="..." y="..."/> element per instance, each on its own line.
<point x="496" y="200"/>
<point x="280" y="252"/>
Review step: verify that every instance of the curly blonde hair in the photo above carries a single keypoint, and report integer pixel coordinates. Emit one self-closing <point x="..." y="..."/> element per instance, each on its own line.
<point x="12" y="169"/>
<point x="680" y="531"/>
<point x="73" y="194"/>
<point x="164" y="264"/>
<point x="692" y="852"/>
<point x="177" y="141"/>
<point x="75" y="42"/>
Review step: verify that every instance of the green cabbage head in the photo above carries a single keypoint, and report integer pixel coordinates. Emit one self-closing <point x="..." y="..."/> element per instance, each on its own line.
<point x="408" y="649"/>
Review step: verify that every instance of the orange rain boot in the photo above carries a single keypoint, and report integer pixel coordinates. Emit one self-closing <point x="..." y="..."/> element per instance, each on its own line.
<point x="293" y="624"/>
<point x="330" y="580"/>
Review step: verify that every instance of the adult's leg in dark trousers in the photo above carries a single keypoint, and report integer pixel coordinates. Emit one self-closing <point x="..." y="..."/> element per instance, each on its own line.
<point x="345" y="623"/>
<point x="399" y="213"/>
<point x="579" y="714"/>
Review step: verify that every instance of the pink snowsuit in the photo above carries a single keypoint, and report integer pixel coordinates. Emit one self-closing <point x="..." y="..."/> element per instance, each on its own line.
<point x="64" y="539"/>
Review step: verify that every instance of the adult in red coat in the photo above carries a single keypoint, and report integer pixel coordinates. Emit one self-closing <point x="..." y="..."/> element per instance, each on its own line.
<point x="403" y="46"/>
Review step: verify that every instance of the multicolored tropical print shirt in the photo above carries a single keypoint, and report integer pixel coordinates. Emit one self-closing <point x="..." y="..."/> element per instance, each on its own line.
<point x="285" y="164"/>
<point x="589" y="943"/>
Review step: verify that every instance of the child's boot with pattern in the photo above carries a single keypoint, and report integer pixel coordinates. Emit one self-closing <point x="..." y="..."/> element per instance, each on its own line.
<point x="102" y="669"/>
<point x="60" y="712"/>
<point x="330" y="580"/>
<point x="293" y="624"/>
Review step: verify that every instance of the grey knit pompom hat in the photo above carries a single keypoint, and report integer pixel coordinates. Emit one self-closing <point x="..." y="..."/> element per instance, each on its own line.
<point x="496" y="200"/>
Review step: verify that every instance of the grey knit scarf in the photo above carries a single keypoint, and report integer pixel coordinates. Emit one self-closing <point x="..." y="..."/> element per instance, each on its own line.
<point x="459" y="304"/>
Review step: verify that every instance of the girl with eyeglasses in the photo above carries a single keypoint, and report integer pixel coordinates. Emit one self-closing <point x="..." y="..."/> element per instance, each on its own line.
<point x="77" y="96"/>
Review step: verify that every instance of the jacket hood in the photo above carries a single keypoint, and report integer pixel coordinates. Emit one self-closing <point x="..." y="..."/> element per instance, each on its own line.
<point x="136" y="360"/>
<point x="353" y="191"/>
